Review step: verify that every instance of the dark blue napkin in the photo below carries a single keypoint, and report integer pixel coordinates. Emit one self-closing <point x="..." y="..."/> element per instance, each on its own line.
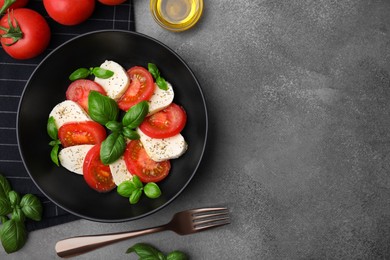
<point x="13" y="78"/>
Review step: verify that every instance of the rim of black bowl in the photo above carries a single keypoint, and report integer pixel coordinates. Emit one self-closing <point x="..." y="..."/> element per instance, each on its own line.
<point x="201" y="154"/>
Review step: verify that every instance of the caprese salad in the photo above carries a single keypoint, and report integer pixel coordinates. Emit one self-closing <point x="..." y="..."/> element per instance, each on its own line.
<point x="118" y="128"/>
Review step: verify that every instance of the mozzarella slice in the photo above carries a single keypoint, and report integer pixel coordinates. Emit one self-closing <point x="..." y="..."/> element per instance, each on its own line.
<point x="116" y="85"/>
<point x="160" y="99"/>
<point x="68" y="111"/>
<point x="72" y="157"/>
<point x="163" y="149"/>
<point x="119" y="171"/>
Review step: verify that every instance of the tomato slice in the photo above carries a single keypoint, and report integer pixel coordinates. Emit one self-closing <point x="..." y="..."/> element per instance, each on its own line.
<point x="141" y="88"/>
<point x="165" y="123"/>
<point x="76" y="133"/>
<point x="139" y="163"/>
<point x="97" y="175"/>
<point x="78" y="91"/>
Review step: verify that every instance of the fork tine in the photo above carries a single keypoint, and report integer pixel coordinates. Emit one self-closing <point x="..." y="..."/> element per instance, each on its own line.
<point x="212" y="220"/>
<point x="201" y="210"/>
<point x="212" y="225"/>
<point x="208" y="216"/>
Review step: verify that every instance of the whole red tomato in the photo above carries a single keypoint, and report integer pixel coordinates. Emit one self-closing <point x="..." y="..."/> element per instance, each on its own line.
<point x="8" y="5"/>
<point x="112" y="2"/>
<point x="69" y="12"/>
<point x="28" y="37"/>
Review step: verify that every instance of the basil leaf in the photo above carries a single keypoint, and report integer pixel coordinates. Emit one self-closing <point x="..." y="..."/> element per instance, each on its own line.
<point x="135" y="196"/>
<point x="14" y="198"/>
<point x="5" y="206"/>
<point x="54" y="154"/>
<point x="126" y="188"/>
<point x="136" y="114"/>
<point x="143" y="250"/>
<point x="130" y="133"/>
<point x="152" y="190"/>
<point x="31" y="207"/>
<point x="3" y="219"/>
<point x="52" y="128"/>
<point x="102" y="73"/>
<point x="137" y="182"/>
<point x="152" y="68"/>
<point x="177" y="255"/>
<point x="18" y="215"/>
<point x="80" y="73"/>
<point x="5" y="187"/>
<point x="102" y="109"/>
<point x="161" y="83"/>
<point x="114" y="126"/>
<point x="54" y="142"/>
<point x="13" y="235"/>
<point x="112" y="148"/>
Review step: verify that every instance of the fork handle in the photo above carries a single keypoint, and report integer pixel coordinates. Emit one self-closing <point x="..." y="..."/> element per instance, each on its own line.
<point x="82" y="244"/>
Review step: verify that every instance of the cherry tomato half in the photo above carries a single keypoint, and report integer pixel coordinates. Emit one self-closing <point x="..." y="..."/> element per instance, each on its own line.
<point x="165" y="123"/>
<point x="97" y="175"/>
<point x="88" y="132"/>
<point x="112" y="2"/>
<point x="35" y="30"/>
<point x="141" y="88"/>
<point x="69" y="12"/>
<point x="78" y="91"/>
<point x="139" y="163"/>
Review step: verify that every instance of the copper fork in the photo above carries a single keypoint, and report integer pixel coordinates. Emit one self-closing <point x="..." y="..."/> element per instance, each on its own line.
<point x="183" y="223"/>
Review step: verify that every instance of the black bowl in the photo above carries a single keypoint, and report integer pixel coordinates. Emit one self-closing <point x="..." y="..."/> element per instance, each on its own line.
<point x="46" y="88"/>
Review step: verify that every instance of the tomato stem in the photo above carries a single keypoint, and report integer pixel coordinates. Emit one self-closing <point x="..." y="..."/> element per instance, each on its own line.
<point x="7" y="3"/>
<point x="13" y="32"/>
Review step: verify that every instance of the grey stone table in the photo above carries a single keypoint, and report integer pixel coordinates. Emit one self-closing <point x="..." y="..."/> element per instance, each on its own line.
<point x="298" y="94"/>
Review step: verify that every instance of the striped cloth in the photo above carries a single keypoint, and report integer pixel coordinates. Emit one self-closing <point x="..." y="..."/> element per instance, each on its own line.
<point x="13" y="77"/>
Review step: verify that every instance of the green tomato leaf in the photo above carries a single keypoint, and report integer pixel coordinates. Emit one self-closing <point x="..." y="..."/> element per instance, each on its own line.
<point x="31" y="207"/>
<point x="52" y="128"/>
<point x="177" y="255"/>
<point x="13" y="235"/>
<point x="136" y="114"/>
<point x="102" y="73"/>
<point x="161" y="83"/>
<point x="54" y="154"/>
<point x="80" y="73"/>
<point x="135" y="196"/>
<point x="152" y="68"/>
<point x="130" y="133"/>
<point x="102" y="109"/>
<point x="152" y="190"/>
<point x="5" y="187"/>
<point x="14" y="198"/>
<point x="5" y="206"/>
<point x="112" y="148"/>
<point x="137" y="182"/>
<point x="144" y="250"/>
<point x="126" y="188"/>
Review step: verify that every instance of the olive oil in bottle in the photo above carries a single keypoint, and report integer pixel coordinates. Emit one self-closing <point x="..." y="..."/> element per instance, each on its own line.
<point x="177" y="15"/>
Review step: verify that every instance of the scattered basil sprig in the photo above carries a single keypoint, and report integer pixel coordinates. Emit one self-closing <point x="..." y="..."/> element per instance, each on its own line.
<point x="105" y="111"/>
<point x="55" y="142"/>
<point x="83" y="73"/>
<point x="145" y="251"/>
<point x="160" y="81"/>
<point x="14" y="209"/>
<point x="133" y="189"/>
